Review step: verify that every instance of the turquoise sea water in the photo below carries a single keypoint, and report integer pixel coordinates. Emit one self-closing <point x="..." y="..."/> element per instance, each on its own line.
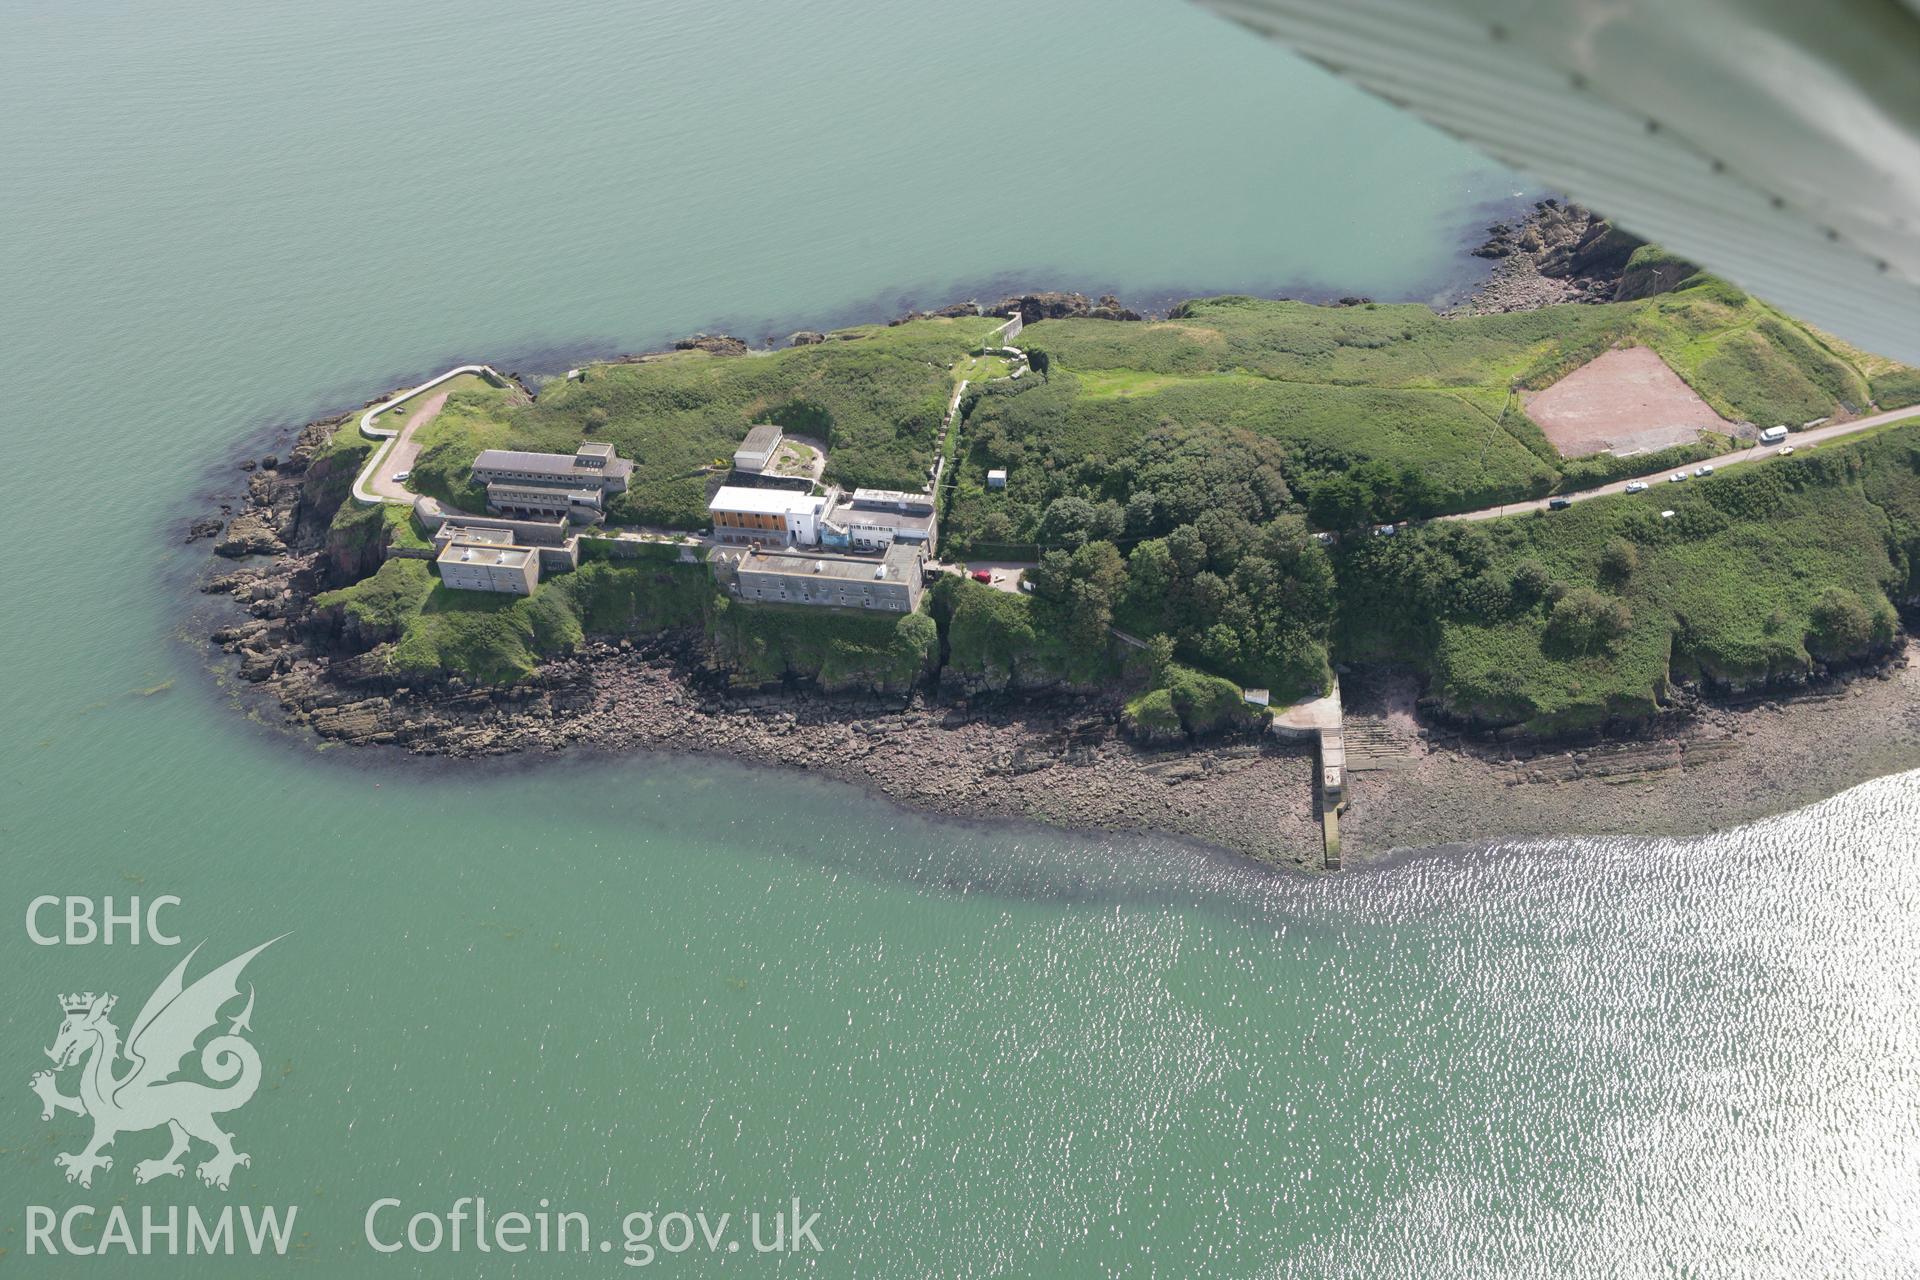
<point x="650" y="983"/>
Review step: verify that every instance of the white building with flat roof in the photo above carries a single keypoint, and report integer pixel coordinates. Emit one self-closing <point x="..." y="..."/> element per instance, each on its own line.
<point x="873" y="519"/>
<point x="776" y="517"/>
<point x="480" y="563"/>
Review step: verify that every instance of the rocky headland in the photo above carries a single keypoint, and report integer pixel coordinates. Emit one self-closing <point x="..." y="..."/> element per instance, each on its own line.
<point x="1562" y="252"/>
<point x="1059" y="756"/>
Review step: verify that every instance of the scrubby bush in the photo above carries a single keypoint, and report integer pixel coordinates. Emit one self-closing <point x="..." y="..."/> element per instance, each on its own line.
<point x="1189" y="701"/>
<point x="1618" y="559"/>
<point x="1584" y="621"/>
<point x="1531" y="582"/>
<point x="1841" y="626"/>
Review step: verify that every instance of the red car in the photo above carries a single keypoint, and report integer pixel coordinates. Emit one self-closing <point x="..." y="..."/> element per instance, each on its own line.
<point x="981" y="575"/>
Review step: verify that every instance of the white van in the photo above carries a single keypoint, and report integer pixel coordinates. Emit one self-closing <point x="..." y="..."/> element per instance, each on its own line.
<point x="1773" y="435"/>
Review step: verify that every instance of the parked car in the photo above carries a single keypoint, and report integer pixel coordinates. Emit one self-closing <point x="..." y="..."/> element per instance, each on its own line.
<point x="1324" y="538"/>
<point x="1773" y="435"/>
<point x="1559" y="504"/>
<point x="1786" y="451"/>
<point x="1384" y="531"/>
<point x="1703" y="471"/>
<point x="1676" y="477"/>
<point x="1666" y="515"/>
<point x="981" y="575"/>
<point x="1637" y="486"/>
<point x="400" y="477"/>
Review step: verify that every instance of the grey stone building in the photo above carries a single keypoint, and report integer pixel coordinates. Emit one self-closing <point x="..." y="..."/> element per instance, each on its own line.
<point x="889" y="583"/>
<point x="552" y="485"/>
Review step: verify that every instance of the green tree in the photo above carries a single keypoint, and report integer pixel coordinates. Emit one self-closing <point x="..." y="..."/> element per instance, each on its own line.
<point x="1074" y="594"/>
<point x="1585" y="621"/>
<point x="1618" y="560"/>
<point x="1068" y="522"/>
<point x="1099" y="563"/>
<point x="1381" y="485"/>
<point x="1338" y="503"/>
<point x="1150" y="578"/>
<point x="1159" y="657"/>
<point x="1189" y="551"/>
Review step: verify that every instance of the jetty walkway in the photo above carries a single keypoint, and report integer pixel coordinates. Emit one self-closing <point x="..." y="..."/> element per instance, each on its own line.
<point x="1323" y="720"/>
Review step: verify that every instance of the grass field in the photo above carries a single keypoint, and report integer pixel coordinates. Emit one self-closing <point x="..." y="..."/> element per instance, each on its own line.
<point x="981" y="368"/>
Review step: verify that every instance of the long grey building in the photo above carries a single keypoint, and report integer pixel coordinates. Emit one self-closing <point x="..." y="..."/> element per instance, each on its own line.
<point x="890" y="583"/>
<point x="534" y="501"/>
<point x="548" y="485"/>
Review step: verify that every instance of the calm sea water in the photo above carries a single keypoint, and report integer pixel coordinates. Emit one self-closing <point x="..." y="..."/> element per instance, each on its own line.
<point x="648" y="983"/>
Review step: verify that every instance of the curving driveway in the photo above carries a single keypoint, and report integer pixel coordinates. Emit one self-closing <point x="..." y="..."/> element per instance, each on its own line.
<point x="397" y="451"/>
<point x="404" y="449"/>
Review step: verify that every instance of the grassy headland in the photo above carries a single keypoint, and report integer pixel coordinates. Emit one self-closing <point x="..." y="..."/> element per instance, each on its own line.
<point x="1169" y="477"/>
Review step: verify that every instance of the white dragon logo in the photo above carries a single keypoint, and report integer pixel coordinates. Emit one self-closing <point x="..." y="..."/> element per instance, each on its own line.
<point x="146" y="1096"/>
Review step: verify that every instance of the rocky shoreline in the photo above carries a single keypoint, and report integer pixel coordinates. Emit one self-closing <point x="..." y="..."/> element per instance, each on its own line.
<point x="1060" y="759"/>
<point x="1714" y="766"/>
<point x="1558" y="252"/>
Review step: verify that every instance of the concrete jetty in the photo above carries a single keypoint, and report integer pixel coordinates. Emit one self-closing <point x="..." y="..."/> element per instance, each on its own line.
<point x="1322" y="720"/>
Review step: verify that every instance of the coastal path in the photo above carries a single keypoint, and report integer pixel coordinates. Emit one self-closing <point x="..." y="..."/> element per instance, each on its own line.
<point x="369" y="486"/>
<point x="1754" y="453"/>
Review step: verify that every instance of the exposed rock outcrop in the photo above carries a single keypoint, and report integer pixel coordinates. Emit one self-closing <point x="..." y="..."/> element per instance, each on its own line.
<point x="1055" y="305"/>
<point x="719" y="344"/>
<point x="252" y="533"/>
<point x="1558" y="253"/>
